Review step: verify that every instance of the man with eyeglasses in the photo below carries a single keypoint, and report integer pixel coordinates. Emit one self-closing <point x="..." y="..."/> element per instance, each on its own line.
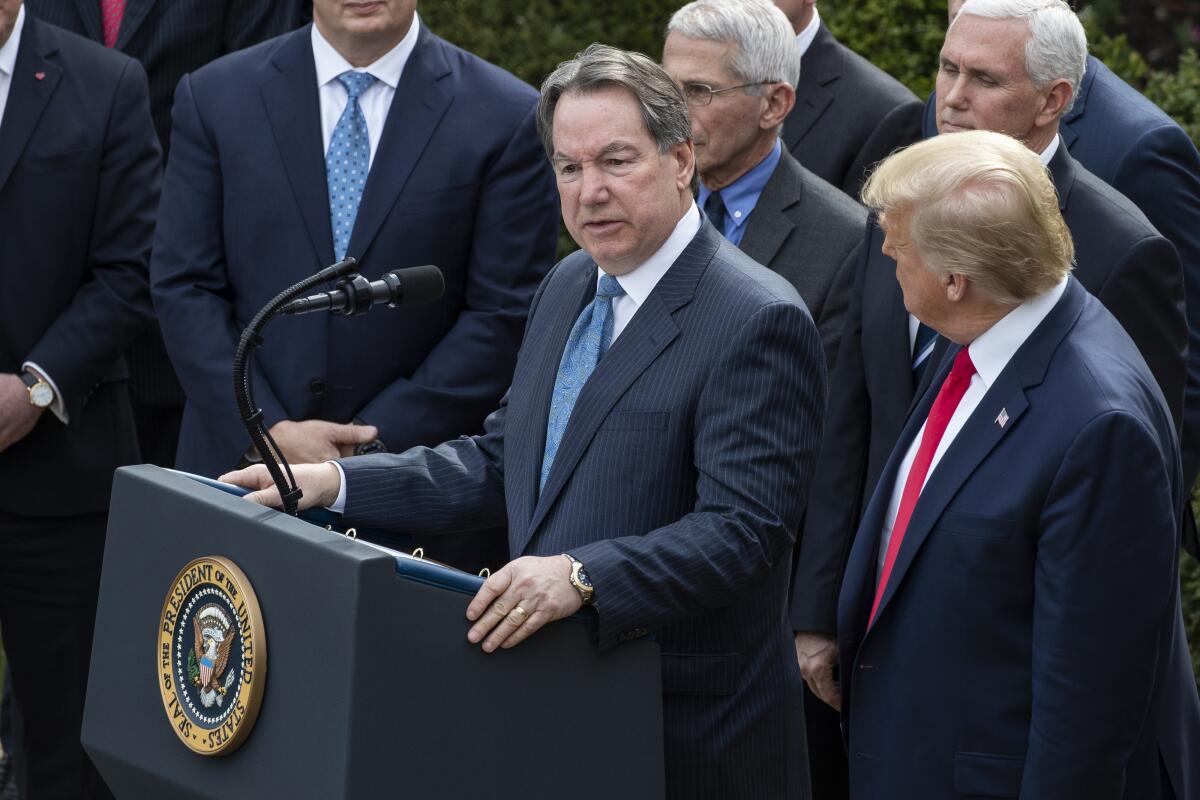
<point x="738" y="66"/>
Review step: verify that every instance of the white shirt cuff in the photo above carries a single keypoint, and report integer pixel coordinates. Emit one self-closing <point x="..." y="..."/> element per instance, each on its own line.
<point x="339" y="505"/>
<point x="58" y="407"/>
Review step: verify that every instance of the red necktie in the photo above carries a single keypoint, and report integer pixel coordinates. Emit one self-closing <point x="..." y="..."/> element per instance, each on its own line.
<point x="111" y="12"/>
<point x="944" y="404"/>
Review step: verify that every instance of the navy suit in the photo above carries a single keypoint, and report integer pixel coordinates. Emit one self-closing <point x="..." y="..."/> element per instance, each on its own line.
<point x="1129" y="143"/>
<point x="1119" y="257"/>
<point x="79" y="181"/>
<point x="1030" y="642"/>
<point x="459" y="180"/>
<point x="849" y="114"/>
<point x="679" y="483"/>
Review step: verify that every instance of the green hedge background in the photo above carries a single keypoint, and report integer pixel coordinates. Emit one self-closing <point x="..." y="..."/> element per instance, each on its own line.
<point x="903" y="37"/>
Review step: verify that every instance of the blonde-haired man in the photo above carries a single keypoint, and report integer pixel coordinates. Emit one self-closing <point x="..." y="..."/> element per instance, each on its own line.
<point x="1009" y="621"/>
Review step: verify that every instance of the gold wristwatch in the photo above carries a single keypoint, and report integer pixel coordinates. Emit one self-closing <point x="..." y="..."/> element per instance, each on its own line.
<point x="41" y="394"/>
<point x="581" y="581"/>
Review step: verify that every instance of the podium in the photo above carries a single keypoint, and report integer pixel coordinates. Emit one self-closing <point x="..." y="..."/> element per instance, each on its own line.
<point x="370" y="688"/>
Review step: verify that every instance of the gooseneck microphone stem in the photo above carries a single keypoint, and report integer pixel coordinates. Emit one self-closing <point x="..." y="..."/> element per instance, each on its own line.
<point x="252" y="416"/>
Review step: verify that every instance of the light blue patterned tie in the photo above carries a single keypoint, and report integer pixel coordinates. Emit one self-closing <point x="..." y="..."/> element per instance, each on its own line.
<point x="589" y="340"/>
<point x="347" y="161"/>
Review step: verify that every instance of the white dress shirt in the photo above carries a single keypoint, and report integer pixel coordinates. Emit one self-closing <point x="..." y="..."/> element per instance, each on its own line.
<point x="8" y="59"/>
<point x="376" y="100"/>
<point x="990" y="353"/>
<point x="641" y="280"/>
<point x="638" y="283"/>
<point x="1044" y="157"/>
<point x="805" y="37"/>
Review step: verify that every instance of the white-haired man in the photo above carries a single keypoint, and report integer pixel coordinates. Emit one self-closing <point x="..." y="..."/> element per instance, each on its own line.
<point x="738" y="65"/>
<point x="1009" y="623"/>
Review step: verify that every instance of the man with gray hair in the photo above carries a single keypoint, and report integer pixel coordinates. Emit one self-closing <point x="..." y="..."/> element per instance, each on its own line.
<point x="737" y="63"/>
<point x="653" y="454"/>
<point x="1009" y="624"/>
<point x="991" y="77"/>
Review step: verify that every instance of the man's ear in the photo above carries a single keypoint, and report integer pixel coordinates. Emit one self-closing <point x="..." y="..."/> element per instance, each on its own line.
<point x="1056" y="102"/>
<point x="781" y="98"/>
<point x="684" y="154"/>
<point x="956" y="286"/>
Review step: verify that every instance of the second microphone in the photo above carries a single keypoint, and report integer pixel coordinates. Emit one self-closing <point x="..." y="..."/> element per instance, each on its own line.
<point x="355" y="294"/>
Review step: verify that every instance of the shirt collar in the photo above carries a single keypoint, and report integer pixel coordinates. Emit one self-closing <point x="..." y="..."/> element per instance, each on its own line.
<point x="742" y="195"/>
<point x="805" y="37"/>
<point x="1050" y="150"/>
<point x="387" y="68"/>
<point x="994" y="348"/>
<point x="640" y="281"/>
<point x="8" y="53"/>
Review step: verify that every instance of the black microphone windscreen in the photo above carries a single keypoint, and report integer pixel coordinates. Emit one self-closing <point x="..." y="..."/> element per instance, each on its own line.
<point x="420" y="284"/>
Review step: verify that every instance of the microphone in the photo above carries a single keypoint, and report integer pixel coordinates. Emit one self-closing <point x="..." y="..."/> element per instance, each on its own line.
<point x="355" y="294"/>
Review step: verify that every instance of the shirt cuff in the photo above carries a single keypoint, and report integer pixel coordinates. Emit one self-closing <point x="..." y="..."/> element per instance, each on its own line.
<point x="338" y="506"/>
<point x="58" y="407"/>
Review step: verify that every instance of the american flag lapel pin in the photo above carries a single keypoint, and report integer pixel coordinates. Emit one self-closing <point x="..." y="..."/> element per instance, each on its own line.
<point x="1002" y="417"/>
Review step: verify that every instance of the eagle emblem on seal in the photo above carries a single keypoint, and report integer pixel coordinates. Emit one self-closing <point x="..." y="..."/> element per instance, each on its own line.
<point x="210" y="654"/>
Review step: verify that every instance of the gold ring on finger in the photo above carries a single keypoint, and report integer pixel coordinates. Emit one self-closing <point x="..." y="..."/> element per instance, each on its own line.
<point x="518" y="615"/>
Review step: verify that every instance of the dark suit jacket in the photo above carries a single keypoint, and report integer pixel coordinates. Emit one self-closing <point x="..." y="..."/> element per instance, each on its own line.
<point x="79" y="181"/>
<point x="171" y="38"/>
<point x="174" y="37"/>
<point x="1030" y="641"/>
<point x="1132" y="145"/>
<point x="459" y="180"/>
<point x="678" y="483"/>
<point x="1119" y="257"/>
<point x="849" y="114"/>
<point x="810" y="233"/>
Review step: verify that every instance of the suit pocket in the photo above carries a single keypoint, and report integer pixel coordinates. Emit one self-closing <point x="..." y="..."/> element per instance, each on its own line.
<point x="52" y="162"/>
<point x="975" y="525"/>
<point x="702" y="674"/>
<point x="988" y="774"/>
<point x="636" y="421"/>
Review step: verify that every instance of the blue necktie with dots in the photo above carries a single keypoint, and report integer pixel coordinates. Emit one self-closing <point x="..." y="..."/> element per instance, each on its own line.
<point x="589" y="340"/>
<point x="347" y="162"/>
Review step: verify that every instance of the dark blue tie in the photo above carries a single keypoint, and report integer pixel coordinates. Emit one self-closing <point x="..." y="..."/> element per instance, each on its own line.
<point x="922" y="348"/>
<point x="714" y="209"/>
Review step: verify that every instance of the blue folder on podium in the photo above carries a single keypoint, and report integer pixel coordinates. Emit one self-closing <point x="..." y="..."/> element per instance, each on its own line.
<point x="371" y="688"/>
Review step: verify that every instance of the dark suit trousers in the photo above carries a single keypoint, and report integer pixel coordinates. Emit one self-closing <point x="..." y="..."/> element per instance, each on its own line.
<point x="49" y="581"/>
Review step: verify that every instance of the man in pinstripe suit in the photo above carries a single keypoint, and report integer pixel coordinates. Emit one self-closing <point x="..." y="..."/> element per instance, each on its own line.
<point x="653" y="455"/>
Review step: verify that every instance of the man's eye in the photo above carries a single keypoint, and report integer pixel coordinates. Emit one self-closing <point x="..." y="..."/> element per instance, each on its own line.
<point x="949" y="69"/>
<point x="987" y="81"/>
<point x="616" y="162"/>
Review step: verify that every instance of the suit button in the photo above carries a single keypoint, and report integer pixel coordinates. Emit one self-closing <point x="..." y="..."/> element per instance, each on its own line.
<point x="317" y="387"/>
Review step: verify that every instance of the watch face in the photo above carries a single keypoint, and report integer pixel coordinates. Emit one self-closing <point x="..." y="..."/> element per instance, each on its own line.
<point x="41" y="395"/>
<point x="583" y="578"/>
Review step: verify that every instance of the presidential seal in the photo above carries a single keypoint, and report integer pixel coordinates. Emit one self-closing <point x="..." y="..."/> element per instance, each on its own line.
<point x="212" y="656"/>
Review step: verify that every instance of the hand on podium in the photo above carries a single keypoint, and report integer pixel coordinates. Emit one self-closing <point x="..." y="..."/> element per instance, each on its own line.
<point x="521" y="598"/>
<point x="319" y="483"/>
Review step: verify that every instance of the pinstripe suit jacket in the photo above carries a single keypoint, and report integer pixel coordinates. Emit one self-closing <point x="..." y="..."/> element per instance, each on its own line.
<point x="679" y="482"/>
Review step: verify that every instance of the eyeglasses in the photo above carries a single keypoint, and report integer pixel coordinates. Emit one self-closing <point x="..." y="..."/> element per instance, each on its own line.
<point x="701" y="94"/>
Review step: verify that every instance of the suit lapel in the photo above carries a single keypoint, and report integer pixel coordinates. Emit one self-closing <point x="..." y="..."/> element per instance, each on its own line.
<point x="822" y="63"/>
<point x="135" y="14"/>
<point x="981" y="433"/>
<point x="1062" y="170"/>
<point x="294" y="110"/>
<point x="769" y="226"/>
<point x="528" y="446"/>
<point x="89" y="13"/>
<point x="646" y="336"/>
<point x="419" y="105"/>
<point x="27" y="95"/>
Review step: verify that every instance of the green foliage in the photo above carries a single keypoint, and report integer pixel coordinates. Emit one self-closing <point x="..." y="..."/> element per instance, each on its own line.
<point x="901" y="37"/>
